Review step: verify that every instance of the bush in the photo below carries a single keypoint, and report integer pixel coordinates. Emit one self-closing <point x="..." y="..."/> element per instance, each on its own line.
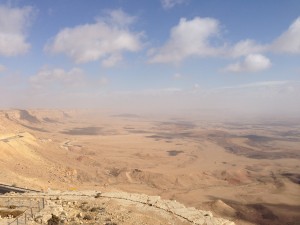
<point x="98" y="195"/>
<point x="87" y="217"/>
<point x="54" y="220"/>
<point x="7" y="213"/>
<point x="97" y="209"/>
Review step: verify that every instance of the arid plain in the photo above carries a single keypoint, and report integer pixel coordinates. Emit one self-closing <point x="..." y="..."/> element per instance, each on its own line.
<point x="247" y="171"/>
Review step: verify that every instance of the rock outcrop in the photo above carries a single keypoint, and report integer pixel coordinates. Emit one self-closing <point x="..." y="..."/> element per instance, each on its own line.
<point x="92" y="207"/>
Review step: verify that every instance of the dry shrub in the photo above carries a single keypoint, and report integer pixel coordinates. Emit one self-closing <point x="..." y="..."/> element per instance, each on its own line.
<point x="7" y="213"/>
<point x="54" y="220"/>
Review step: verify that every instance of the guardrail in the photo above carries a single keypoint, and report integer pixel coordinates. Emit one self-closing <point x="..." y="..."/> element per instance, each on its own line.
<point x="31" y="206"/>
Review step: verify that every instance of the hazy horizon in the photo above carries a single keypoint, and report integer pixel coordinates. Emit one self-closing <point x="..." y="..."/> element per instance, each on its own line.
<point x="163" y="56"/>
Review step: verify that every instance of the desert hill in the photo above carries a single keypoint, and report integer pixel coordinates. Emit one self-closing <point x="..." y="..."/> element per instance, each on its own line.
<point x="246" y="173"/>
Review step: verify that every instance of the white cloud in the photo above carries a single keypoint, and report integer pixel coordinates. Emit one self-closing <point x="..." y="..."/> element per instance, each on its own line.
<point x="118" y="17"/>
<point x="58" y="78"/>
<point x="251" y="63"/>
<point x="112" y="60"/>
<point x="168" y="4"/>
<point x="271" y="83"/>
<point x="2" y="68"/>
<point x="263" y="84"/>
<point x="159" y="92"/>
<point x="289" y="41"/>
<point x="13" y="24"/>
<point x="188" y="38"/>
<point x="245" y="47"/>
<point x="102" y="40"/>
<point x="201" y="37"/>
<point x="197" y="37"/>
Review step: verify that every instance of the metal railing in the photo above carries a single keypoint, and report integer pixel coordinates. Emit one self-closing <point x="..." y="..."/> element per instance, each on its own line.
<point x="29" y="207"/>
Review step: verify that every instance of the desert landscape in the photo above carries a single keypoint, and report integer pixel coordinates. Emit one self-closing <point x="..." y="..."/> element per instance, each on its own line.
<point x="161" y="112"/>
<point x="245" y="171"/>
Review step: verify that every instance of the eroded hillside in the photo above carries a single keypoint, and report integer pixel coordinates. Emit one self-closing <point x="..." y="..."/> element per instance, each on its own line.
<point x="252" y="169"/>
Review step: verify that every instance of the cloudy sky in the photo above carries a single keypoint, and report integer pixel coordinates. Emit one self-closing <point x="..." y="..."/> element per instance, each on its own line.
<point x="161" y="54"/>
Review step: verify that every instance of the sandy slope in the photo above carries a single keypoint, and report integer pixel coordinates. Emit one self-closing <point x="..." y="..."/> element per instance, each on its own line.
<point x="249" y="174"/>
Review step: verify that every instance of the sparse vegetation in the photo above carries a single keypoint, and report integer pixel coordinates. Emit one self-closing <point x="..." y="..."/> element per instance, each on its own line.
<point x="98" y="195"/>
<point x="137" y="171"/>
<point x="87" y="217"/>
<point x="54" y="220"/>
<point x="97" y="209"/>
<point x="114" y="172"/>
<point x="8" y="213"/>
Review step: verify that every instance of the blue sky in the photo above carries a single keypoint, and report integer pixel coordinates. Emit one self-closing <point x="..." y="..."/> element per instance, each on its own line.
<point x="134" y="53"/>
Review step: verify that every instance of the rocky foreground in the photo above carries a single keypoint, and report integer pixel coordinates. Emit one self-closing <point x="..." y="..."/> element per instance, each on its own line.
<point x="109" y="208"/>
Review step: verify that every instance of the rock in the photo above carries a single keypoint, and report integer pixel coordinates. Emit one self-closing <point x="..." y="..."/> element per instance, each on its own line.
<point x="82" y="207"/>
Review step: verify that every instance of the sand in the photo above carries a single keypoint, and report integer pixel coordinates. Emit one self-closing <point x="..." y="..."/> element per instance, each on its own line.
<point x="245" y="171"/>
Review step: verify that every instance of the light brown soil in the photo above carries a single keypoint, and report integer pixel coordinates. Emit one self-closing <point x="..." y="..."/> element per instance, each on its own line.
<point x="244" y="171"/>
